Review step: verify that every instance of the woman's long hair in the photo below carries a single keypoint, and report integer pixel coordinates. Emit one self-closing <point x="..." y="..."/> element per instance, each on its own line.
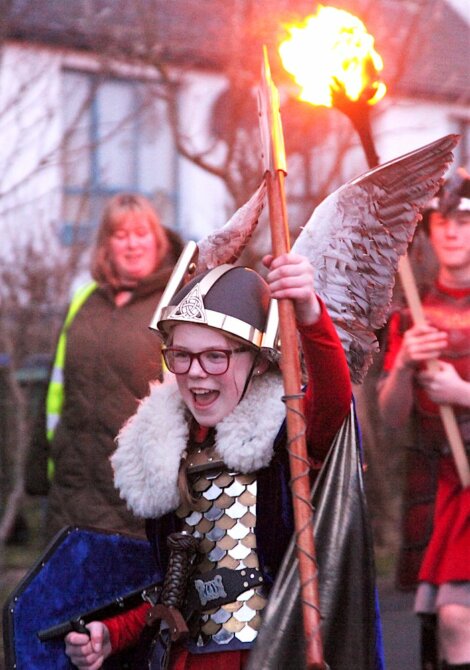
<point x="102" y="266"/>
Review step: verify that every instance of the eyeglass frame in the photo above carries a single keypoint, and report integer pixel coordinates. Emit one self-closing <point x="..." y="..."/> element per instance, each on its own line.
<point x="197" y="355"/>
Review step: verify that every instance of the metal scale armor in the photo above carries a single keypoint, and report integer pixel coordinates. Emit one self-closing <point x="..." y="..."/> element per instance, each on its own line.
<point x="224" y="522"/>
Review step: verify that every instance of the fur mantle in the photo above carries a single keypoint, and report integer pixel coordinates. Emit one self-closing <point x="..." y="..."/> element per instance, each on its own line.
<point x="151" y="443"/>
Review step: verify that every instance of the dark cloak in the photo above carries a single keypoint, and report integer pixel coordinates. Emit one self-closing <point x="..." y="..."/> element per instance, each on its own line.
<point x="350" y="628"/>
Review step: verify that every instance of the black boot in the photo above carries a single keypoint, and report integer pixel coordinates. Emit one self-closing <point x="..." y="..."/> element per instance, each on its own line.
<point x="429" y="657"/>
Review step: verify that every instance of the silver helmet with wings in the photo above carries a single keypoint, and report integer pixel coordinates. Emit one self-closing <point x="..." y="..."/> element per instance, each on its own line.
<point x="354" y="240"/>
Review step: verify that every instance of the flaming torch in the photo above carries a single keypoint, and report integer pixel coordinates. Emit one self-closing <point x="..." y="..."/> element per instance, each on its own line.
<point x="348" y="79"/>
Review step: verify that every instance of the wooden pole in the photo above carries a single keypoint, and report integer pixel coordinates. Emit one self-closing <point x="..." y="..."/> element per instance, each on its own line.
<point x="273" y="147"/>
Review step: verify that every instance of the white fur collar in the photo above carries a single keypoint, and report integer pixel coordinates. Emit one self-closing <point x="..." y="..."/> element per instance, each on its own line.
<point x="150" y="445"/>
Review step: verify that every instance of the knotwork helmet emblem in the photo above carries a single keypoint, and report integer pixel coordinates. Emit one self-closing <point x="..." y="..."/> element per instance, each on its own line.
<point x="191" y="308"/>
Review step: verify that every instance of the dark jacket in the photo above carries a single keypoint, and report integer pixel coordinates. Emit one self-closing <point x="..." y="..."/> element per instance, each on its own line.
<point x="111" y="357"/>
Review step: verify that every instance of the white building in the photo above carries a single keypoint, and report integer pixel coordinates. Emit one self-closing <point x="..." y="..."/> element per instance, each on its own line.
<point x="81" y="120"/>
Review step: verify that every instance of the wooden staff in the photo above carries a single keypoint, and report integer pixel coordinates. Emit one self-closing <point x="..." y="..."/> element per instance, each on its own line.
<point x="446" y="411"/>
<point x="275" y="172"/>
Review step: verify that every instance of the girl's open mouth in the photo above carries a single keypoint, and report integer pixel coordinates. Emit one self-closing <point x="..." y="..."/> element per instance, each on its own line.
<point x="204" y="397"/>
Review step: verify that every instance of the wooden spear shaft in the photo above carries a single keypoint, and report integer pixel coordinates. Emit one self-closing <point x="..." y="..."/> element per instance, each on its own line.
<point x="273" y="147"/>
<point x="303" y="512"/>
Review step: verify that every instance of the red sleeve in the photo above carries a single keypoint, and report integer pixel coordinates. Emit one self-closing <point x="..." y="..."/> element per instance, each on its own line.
<point x="394" y="340"/>
<point x="125" y="629"/>
<point x="329" y="390"/>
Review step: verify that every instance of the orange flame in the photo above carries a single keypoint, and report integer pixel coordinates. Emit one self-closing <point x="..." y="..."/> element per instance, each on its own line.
<point x="330" y="51"/>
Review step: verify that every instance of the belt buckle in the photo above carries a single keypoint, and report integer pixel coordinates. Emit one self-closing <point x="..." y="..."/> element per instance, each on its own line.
<point x="213" y="589"/>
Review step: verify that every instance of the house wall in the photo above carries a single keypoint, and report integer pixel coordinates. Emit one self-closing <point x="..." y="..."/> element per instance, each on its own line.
<point x="31" y="126"/>
<point x="407" y="124"/>
<point x="30" y="129"/>
<point x="203" y="203"/>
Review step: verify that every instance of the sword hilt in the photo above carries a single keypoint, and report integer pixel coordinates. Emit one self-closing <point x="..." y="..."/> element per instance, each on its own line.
<point x="182" y="549"/>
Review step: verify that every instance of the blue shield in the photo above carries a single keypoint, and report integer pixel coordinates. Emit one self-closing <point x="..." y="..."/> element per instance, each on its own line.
<point x="82" y="570"/>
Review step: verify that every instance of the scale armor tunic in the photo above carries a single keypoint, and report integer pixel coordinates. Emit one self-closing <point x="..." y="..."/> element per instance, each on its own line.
<point x="223" y="520"/>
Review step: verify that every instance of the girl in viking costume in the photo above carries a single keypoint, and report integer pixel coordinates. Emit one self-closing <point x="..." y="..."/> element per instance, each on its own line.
<point x="205" y="455"/>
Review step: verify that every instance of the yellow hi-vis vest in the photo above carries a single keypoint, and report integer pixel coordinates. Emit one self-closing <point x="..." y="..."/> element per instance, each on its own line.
<point x="55" y="390"/>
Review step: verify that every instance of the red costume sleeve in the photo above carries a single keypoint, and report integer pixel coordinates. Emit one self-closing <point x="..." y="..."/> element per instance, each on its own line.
<point x="394" y="340"/>
<point x="125" y="629"/>
<point x="329" y="390"/>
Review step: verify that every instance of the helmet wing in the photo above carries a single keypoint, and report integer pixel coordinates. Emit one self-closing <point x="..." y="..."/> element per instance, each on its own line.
<point x="355" y="237"/>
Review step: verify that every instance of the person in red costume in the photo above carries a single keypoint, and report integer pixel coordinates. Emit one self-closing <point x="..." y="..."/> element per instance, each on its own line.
<point x="205" y="455"/>
<point x="409" y="388"/>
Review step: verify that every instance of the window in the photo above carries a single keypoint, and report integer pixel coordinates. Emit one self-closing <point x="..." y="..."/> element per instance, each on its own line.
<point x="117" y="139"/>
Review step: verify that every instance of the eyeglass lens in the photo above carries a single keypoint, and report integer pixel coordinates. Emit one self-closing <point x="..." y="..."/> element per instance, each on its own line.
<point x="213" y="362"/>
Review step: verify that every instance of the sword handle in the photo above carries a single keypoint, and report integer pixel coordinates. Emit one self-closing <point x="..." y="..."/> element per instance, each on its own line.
<point x="182" y="549"/>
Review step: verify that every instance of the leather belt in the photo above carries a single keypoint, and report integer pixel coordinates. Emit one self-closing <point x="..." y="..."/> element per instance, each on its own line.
<point x="220" y="586"/>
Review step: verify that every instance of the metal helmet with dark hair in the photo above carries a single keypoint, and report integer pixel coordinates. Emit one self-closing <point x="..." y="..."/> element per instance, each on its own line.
<point x="233" y="299"/>
<point x="453" y="196"/>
